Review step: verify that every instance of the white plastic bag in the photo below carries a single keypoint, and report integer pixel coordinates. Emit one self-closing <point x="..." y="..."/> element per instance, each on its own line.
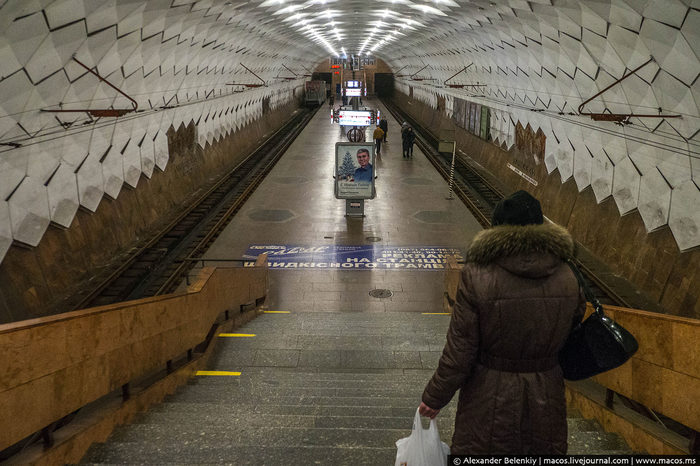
<point x="423" y="447"/>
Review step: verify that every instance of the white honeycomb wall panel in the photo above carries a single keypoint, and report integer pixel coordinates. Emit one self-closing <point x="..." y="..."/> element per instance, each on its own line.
<point x="14" y="165"/>
<point x="113" y="173"/>
<point x="147" y="154"/>
<point x="63" y="13"/>
<point x="5" y="229"/>
<point x="602" y="171"/>
<point x="564" y="157"/>
<point x="8" y="61"/>
<point x="684" y="216"/>
<point x="29" y="211"/>
<point x="626" y="181"/>
<point x="90" y="185"/>
<point x="160" y="150"/>
<point x="63" y="196"/>
<point x="583" y="164"/>
<point x="15" y="91"/>
<point x="654" y="201"/>
<point x="25" y="35"/>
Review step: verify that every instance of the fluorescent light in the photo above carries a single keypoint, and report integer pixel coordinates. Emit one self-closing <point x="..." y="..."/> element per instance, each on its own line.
<point x="427" y="9"/>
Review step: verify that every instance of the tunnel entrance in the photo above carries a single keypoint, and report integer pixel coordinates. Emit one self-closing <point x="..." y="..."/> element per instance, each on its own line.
<point x="384" y="84"/>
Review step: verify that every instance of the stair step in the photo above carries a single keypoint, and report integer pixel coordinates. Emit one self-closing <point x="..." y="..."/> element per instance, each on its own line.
<point x="249" y="435"/>
<point x="234" y="419"/>
<point x="253" y="381"/>
<point x="190" y="397"/>
<point x="226" y="391"/>
<point x="406" y="412"/>
<point x="116" y="453"/>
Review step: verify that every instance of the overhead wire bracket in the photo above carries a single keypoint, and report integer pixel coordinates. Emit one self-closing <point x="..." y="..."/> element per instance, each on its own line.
<point x="413" y="76"/>
<point x="400" y="75"/>
<point x="260" y="84"/>
<point x="458" y="72"/>
<point x="308" y="73"/>
<point x="99" y="112"/>
<point x="621" y="117"/>
<point x="288" y="78"/>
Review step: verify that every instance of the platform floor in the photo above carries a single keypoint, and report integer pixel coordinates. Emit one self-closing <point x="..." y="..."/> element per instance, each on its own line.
<point x="295" y="205"/>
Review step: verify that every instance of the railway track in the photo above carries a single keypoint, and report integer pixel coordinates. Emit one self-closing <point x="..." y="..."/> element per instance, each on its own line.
<point x="480" y="196"/>
<point x="159" y="266"/>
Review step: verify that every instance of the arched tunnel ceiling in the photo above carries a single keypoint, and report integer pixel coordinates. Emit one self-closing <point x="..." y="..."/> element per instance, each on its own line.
<point x="535" y="61"/>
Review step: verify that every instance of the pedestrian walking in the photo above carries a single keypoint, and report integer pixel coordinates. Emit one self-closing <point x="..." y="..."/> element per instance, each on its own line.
<point x="408" y="137"/>
<point x="384" y="125"/>
<point x="378" y="135"/>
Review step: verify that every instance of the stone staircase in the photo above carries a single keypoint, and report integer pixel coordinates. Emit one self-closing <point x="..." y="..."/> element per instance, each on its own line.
<point x="321" y="388"/>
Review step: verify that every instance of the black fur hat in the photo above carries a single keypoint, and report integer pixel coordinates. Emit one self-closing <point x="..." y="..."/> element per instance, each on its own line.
<point x="520" y="208"/>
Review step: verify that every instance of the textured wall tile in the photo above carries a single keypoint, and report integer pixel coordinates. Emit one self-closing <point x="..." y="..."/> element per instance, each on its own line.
<point x="63" y="196"/>
<point x="626" y="186"/>
<point x="5" y="228"/>
<point x="684" y="217"/>
<point x="601" y="176"/>
<point x="29" y="211"/>
<point x="654" y="201"/>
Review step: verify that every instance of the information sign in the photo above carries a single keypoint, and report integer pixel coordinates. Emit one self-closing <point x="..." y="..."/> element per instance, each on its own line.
<point x="354" y="118"/>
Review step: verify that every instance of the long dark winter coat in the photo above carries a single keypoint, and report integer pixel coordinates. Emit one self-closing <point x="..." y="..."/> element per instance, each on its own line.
<point x="515" y="306"/>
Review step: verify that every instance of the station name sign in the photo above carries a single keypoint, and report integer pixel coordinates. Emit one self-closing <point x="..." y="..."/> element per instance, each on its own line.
<point x="364" y="257"/>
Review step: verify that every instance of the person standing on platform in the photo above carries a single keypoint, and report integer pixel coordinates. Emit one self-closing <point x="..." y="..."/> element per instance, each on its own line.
<point x="364" y="171"/>
<point x="516" y="303"/>
<point x="384" y="125"/>
<point x="408" y="137"/>
<point x="378" y="135"/>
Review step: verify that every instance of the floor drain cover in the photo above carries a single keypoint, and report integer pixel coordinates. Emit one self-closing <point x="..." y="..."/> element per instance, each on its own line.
<point x="373" y="239"/>
<point x="381" y="293"/>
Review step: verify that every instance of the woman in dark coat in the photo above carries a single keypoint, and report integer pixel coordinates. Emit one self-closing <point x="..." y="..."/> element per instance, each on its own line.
<point x="516" y="303"/>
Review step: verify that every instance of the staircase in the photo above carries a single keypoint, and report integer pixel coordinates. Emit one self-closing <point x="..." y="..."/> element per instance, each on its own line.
<point x="315" y="388"/>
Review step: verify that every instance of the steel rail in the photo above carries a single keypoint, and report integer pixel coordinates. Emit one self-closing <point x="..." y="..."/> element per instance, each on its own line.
<point x="210" y="236"/>
<point x="137" y="252"/>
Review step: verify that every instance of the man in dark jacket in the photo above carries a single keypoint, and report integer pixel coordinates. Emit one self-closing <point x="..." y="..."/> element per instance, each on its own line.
<point x="516" y="303"/>
<point x="408" y="137"/>
<point x="384" y="125"/>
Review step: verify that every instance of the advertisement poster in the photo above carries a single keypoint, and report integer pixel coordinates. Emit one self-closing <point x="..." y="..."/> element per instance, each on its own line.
<point x="366" y="257"/>
<point x="354" y="170"/>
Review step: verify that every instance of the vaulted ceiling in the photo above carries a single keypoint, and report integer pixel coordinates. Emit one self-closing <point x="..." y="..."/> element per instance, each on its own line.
<point x="536" y="62"/>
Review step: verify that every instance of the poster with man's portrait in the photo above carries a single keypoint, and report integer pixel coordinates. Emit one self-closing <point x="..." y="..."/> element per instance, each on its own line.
<point x="354" y="170"/>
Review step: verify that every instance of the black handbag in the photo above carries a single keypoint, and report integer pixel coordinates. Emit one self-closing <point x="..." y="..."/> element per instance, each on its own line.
<point x="596" y="345"/>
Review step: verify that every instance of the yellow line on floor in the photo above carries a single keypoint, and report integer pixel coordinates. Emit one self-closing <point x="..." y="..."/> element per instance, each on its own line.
<point x="236" y="334"/>
<point x="216" y="373"/>
<point x="276" y="312"/>
<point x="435" y="313"/>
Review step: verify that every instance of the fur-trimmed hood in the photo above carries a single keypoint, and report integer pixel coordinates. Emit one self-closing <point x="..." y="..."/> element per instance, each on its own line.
<point x="531" y="250"/>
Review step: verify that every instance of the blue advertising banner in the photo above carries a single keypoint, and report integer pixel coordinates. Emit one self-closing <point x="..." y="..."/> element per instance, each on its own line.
<point x="352" y="257"/>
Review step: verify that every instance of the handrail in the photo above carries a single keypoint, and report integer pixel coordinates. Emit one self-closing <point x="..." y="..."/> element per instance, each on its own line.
<point x="664" y="374"/>
<point x="52" y="366"/>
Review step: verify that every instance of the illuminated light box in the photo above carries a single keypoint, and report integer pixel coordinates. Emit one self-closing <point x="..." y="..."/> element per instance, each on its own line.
<point x="354" y="118"/>
<point x="353" y="92"/>
<point x="353" y="84"/>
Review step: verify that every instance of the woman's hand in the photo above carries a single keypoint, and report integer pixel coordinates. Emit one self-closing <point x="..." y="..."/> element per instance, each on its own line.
<point x="427" y="411"/>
